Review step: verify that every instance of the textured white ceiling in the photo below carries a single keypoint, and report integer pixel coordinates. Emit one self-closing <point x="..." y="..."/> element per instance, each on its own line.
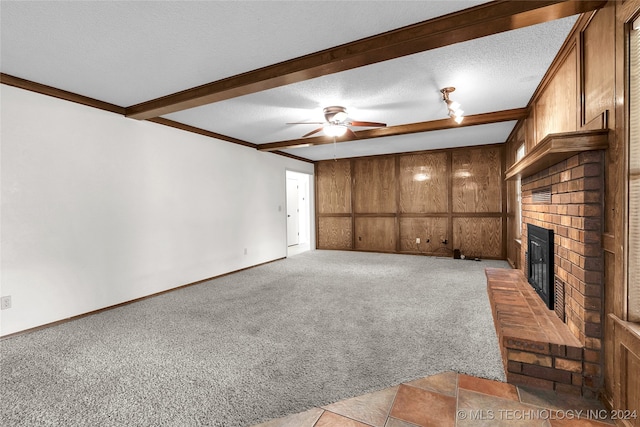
<point x="126" y="52"/>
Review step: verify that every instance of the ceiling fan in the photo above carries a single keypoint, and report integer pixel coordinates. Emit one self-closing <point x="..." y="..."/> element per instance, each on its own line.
<point x="337" y="123"/>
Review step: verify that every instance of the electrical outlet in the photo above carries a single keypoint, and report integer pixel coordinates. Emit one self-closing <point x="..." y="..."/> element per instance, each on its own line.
<point x="245" y="251"/>
<point x="417" y="240"/>
<point x="5" y="302"/>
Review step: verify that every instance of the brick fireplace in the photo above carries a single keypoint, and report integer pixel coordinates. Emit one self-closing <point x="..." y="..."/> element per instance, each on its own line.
<point x="574" y="213"/>
<point x="559" y="349"/>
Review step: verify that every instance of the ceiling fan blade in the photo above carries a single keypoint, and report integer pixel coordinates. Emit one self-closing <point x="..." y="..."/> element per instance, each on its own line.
<point x="305" y="123"/>
<point x="368" y="124"/>
<point x="312" y="132"/>
<point x="351" y="134"/>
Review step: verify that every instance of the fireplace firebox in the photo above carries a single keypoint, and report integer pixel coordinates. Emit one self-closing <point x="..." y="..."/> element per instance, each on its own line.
<point x="540" y="262"/>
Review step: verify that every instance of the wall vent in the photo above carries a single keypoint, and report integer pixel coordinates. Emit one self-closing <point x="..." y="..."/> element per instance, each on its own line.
<point x="542" y="195"/>
<point x="559" y="297"/>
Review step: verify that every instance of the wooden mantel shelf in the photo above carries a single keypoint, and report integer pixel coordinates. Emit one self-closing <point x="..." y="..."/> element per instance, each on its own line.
<point x="555" y="148"/>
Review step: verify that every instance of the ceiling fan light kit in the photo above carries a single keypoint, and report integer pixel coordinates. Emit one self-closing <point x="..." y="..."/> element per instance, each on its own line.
<point x="455" y="112"/>
<point x="335" y="130"/>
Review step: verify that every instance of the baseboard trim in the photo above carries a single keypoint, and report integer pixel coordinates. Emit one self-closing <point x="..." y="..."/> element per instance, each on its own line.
<point x="111" y="307"/>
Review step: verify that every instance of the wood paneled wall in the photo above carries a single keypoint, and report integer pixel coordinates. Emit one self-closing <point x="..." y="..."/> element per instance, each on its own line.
<point x="374" y="187"/>
<point x="449" y="199"/>
<point x="520" y="136"/>
<point x="424" y="183"/>
<point x="335" y="233"/>
<point x="335" y="229"/>
<point x="334" y="178"/>
<point x="555" y="110"/>
<point x="477" y="186"/>
<point x="585" y="89"/>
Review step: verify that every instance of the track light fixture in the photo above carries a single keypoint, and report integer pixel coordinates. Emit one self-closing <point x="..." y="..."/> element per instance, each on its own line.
<point x="454" y="107"/>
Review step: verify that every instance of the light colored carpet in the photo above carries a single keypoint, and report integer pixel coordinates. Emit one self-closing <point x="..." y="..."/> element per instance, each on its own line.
<point x="277" y="339"/>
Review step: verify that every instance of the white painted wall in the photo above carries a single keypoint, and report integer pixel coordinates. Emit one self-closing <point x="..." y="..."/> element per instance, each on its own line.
<point x="97" y="209"/>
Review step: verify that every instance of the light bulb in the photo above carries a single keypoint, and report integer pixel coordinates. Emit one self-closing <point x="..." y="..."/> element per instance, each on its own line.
<point x="458" y="119"/>
<point x="335" y="130"/>
<point x="339" y="117"/>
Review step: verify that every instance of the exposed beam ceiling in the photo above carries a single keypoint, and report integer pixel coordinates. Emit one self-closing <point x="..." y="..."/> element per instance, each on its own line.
<point x="468" y="24"/>
<point x="388" y="67"/>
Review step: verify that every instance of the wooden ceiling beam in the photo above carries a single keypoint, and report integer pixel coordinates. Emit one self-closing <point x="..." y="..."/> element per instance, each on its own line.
<point x="200" y="131"/>
<point x="32" y="86"/>
<point x="482" y="20"/>
<point x="474" y="120"/>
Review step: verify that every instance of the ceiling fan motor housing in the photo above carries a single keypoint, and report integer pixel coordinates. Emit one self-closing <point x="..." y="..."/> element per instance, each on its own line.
<point x="335" y="114"/>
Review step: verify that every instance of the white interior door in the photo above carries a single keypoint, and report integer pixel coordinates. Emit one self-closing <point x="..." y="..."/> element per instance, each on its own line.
<point x="293" y="212"/>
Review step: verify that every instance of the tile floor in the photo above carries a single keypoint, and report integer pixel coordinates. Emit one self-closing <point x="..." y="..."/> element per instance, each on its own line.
<point x="451" y="399"/>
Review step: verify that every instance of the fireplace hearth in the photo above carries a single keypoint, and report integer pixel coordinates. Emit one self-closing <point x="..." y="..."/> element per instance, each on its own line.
<point x="540" y="262"/>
